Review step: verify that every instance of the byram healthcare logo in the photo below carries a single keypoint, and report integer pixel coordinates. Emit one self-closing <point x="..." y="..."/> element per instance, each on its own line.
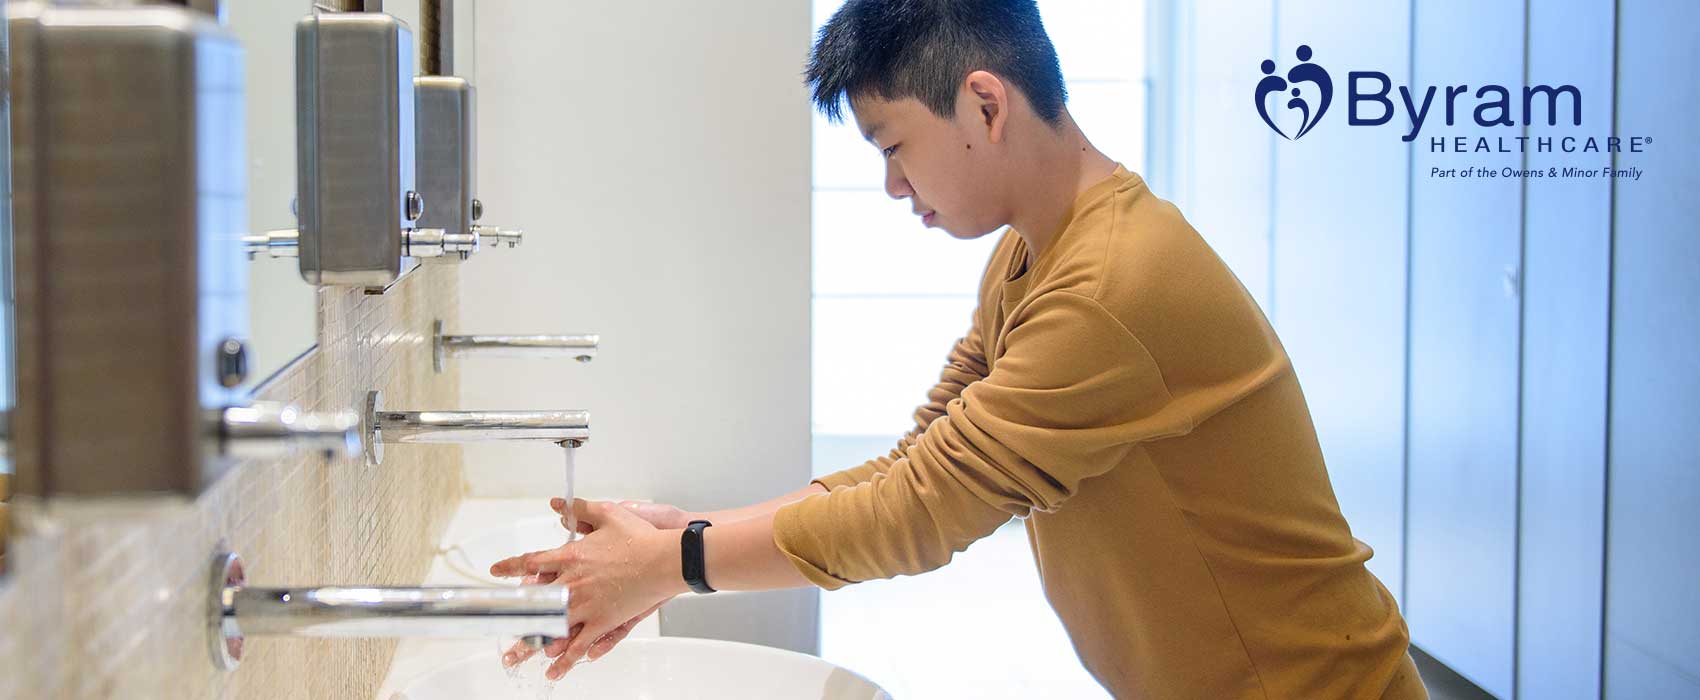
<point x="1304" y="72"/>
<point x="1306" y="90"/>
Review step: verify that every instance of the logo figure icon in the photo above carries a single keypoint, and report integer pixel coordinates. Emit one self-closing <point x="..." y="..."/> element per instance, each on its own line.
<point x="1304" y="72"/>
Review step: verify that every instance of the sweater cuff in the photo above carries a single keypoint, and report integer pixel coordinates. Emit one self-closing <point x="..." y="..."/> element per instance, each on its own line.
<point x="849" y="477"/>
<point x="793" y="535"/>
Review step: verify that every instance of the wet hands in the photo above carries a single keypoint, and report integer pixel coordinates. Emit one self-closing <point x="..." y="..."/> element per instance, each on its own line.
<point x="621" y="571"/>
<point x="660" y="515"/>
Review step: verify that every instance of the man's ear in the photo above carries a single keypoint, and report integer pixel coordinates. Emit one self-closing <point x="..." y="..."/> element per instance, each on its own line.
<point x="990" y="99"/>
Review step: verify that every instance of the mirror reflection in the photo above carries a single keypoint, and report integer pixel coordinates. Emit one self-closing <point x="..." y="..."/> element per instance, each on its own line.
<point x="282" y="307"/>
<point x="6" y="343"/>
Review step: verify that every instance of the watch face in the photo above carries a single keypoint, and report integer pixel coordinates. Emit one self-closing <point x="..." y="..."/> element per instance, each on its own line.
<point x="691" y="563"/>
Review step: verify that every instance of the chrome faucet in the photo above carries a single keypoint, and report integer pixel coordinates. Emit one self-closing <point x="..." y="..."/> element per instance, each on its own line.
<point x="266" y="429"/>
<point x="566" y="428"/>
<point x="236" y="609"/>
<point x="581" y="347"/>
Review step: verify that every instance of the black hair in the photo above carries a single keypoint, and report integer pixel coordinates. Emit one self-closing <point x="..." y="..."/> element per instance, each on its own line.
<point x="924" y="48"/>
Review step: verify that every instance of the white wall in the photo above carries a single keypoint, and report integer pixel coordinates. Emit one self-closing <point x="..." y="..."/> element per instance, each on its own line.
<point x="657" y="155"/>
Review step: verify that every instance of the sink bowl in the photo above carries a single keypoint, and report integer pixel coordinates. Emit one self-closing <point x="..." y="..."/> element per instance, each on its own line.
<point x="646" y="669"/>
<point x="472" y="556"/>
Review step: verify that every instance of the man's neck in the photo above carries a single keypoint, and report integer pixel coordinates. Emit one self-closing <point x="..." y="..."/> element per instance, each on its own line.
<point x="1065" y="167"/>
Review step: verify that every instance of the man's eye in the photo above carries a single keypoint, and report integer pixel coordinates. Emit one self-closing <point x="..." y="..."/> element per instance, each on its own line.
<point x="889" y="150"/>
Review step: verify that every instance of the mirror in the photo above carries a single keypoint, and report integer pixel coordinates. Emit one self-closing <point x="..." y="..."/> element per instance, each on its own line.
<point x="408" y="11"/>
<point x="283" y="309"/>
<point x="6" y="306"/>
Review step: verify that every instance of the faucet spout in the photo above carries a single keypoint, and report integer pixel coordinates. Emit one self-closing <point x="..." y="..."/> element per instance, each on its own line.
<point x="238" y="609"/>
<point x="480" y="426"/>
<point x="581" y="347"/>
<point x="386" y="426"/>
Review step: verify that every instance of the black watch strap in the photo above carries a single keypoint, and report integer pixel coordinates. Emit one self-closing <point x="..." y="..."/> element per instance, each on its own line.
<point x="691" y="556"/>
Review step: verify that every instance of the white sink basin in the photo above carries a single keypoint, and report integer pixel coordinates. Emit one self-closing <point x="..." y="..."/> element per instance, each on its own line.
<point x="652" y="669"/>
<point x="472" y="556"/>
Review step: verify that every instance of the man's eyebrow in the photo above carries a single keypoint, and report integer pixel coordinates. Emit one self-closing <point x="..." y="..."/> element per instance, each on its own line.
<point x="872" y="130"/>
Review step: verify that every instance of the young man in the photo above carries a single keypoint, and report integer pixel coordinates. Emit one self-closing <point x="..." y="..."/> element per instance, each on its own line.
<point x="1118" y="389"/>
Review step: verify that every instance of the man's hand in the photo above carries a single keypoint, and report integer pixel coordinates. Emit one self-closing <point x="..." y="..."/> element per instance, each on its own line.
<point x="620" y="572"/>
<point x="522" y="651"/>
<point x="661" y="515"/>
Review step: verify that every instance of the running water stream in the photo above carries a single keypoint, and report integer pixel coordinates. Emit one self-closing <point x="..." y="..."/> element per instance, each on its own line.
<point x="528" y="675"/>
<point x="570" y="447"/>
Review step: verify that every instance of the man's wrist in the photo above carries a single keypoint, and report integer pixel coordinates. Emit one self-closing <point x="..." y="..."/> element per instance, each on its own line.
<point x="670" y="565"/>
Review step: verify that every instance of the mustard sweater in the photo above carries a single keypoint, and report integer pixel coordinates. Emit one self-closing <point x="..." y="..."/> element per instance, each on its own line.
<point x="1125" y="396"/>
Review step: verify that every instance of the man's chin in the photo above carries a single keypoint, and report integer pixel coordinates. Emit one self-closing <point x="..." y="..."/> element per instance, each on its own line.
<point x="967" y="235"/>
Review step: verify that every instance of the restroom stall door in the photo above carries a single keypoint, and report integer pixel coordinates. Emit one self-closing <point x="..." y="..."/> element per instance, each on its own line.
<point x="1652" y="641"/>
<point x="1464" y="260"/>
<point x="1338" y="242"/>
<point x="1566" y="298"/>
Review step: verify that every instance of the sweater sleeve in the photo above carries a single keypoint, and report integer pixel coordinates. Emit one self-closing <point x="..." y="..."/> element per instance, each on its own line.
<point x="965" y="365"/>
<point x="1071" y="394"/>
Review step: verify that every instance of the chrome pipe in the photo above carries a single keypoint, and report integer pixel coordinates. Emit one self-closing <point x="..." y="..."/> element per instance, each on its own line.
<point x="581" y="347"/>
<point x="481" y="426"/>
<point x="578" y="347"/>
<point x="238" y="610"/>
<point x="266" y="429"/>
<point x="570" y="428"/>
<point x="371" y="611"/>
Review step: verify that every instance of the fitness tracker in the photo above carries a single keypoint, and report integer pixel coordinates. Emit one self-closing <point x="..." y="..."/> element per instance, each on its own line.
<point x="691" y="557"/>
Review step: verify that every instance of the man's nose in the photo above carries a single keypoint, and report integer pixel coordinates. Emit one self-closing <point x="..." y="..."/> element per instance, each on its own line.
<point x="896" y="184"/>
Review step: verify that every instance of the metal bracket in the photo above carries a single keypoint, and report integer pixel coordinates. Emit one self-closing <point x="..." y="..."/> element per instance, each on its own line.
<point x="369" y="428"/>
<point x="437" y="345"/>
<point x="224" y="638"/>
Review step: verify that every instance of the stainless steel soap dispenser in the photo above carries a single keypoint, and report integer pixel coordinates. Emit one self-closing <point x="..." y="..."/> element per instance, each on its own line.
<point x="448" y="159"/>
<point x="358" y="205"/>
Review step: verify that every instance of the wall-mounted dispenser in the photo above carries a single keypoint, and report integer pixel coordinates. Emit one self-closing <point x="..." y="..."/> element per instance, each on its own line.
<point x="131" y="292"/>
<point x="358" y="207"/>
<point x="448" y="157"/>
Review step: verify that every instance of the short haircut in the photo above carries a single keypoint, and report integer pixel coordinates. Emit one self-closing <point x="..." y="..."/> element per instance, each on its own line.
<point x="924" y="48"/>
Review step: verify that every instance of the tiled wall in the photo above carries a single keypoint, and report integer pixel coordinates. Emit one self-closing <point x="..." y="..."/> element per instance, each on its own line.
<point x="108" y="600"/>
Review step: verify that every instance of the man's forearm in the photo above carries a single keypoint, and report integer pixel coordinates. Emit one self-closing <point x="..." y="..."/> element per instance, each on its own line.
<point x="741" y="556"/>
<point x="727" y="517"/>
<point x="739" y="551"/>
